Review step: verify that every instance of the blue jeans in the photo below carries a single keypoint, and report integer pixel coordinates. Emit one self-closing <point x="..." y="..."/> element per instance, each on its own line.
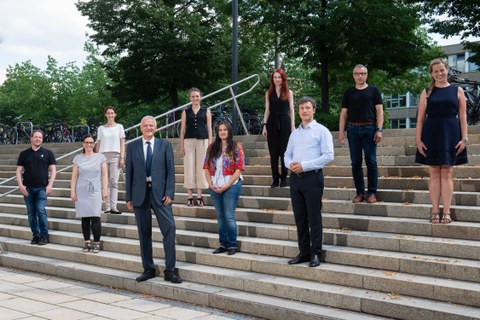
<point x="225" y="205"/>
<point x="37" y="214"/>
<point x="361" y="138"/>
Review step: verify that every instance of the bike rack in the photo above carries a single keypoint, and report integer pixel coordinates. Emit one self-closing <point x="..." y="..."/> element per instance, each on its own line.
<point x="229" y="87"/>
<point x="82" y="128"/>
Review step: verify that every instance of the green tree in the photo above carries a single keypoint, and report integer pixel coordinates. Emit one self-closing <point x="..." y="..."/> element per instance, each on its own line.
<point x="160" y="47"/>
<point x="463" y="18"/>
<point x="333" y="36"/>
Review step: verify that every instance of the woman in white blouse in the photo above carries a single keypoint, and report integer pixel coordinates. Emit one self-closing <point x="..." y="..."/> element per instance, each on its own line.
<point x="111" y="143"/>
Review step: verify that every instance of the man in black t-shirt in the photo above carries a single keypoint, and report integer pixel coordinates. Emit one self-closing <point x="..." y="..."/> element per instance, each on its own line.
<point x="362" y="117"/>
<point x="33" y="167"/>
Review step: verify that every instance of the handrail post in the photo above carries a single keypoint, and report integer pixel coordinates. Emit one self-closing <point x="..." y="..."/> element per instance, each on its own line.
<point x="235" y="103"/>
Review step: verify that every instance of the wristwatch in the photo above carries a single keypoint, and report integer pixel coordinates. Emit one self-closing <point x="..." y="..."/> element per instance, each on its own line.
<point x="379" y="129"/>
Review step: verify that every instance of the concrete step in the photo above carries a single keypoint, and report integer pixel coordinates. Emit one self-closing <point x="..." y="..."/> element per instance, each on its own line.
<point x="395" y="260"/>
<point x="309" y="287"/>
<point x="264" y="307"/>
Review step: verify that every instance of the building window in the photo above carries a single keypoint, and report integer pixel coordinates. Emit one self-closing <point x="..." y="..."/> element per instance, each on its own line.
<point x="398" y="123"/>
<point x="395" y="101"/>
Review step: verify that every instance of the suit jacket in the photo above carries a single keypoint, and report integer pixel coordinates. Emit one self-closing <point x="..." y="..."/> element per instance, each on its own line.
<point x="163" y="172"/>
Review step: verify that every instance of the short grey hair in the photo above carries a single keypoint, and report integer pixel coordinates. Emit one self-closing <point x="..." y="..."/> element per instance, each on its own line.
<point x="360" y="66"/>
<point x="306" y="99"/>
<point x="149" y="117"/>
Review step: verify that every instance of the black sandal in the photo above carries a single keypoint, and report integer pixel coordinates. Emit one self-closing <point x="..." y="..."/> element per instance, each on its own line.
<point x="446" y="218"/>
<point x="435" y="218"/>
<point x="190" y="202"/>
<point x="200" y="202"/>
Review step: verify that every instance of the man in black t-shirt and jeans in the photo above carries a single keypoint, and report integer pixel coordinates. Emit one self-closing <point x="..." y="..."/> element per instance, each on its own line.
<point x="362" y="117"/>
<point x="33" y="167"/>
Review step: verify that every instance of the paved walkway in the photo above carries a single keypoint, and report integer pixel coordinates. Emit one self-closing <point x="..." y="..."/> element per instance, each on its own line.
<point x="27" y="295"/>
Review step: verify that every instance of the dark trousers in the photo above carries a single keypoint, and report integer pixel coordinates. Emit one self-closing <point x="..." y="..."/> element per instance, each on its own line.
<point x="277" y="145"/>
<point x="165" y="219"/>
<point x="306" y="193"/>
<point x="93" y="223"/>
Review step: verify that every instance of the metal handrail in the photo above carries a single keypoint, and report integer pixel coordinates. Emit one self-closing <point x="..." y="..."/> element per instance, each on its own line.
<point x="165" y="114"/>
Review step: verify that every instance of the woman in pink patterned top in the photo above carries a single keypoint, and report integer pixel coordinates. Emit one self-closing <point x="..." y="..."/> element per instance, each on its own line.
<point x="223" y="167"/>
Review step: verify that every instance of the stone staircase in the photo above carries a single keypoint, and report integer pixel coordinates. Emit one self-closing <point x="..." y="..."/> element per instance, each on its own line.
<point x="380" y="261"/>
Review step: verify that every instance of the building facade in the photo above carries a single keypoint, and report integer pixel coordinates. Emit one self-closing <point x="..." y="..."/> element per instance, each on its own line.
<point x="402" y="108"/>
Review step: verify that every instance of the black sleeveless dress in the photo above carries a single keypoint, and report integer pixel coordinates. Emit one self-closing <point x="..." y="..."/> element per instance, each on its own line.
<point x="441" y="129"/>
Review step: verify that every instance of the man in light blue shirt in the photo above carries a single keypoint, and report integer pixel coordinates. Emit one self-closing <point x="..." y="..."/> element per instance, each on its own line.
<point x="309" y="149"/>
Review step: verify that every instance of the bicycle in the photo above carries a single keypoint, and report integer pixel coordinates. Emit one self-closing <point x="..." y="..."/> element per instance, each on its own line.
<point x="23" y="130"/>
<point x="218" y="115"/>
<point x="471" y="89"/>
<point x="56" y="132"/>
<point x="7" y="134"/>
<point x="252" y="121"/>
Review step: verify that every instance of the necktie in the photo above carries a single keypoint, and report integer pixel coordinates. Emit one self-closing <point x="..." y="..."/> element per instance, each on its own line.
<point x="148" y="162"/>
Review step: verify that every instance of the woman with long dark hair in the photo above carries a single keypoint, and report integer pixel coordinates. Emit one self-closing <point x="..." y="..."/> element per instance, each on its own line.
<point x="278" y="123"/>
<point x="87" y="189"/>
<point x="223" y="166"/>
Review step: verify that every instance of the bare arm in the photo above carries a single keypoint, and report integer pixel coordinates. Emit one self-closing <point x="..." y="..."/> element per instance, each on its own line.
<point x="266" y="114"/>
<point x="53" y="174"/>
<point x="122" y="152"/>
<point x="378" y="134"/>
<point x="462" y="114"/>
<point x="104" y="181"/>
<point x="183" y="126"/>
<point x="341" y="125"/>
<point x="421" y="112"/>
<point x="21" y="186"/>
<point x="292" y="110"/>
<point x="209" y="126"/>
<point x="73" y="183"/>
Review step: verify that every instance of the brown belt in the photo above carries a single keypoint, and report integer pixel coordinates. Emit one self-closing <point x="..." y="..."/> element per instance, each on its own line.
<point x="361" y="123"/>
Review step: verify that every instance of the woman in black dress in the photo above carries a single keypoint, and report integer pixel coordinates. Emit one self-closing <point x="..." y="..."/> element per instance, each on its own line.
<point x="442" y="136"/>
<point x="278" y="123"/>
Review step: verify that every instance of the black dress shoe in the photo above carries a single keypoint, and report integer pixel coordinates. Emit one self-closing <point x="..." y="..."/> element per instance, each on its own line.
<point x="232" y="251"/>
<point x="274" y="185"/>
<point x="220" y="250"/>
<point x="107" y="211"/>
<point x="314" y="261"/>
<point x="35" y="240"/>
<point x="42" y="240"/>
<point x="299" y="259"/>
<point x="283" y="184"/>
<point x="172" y="277"/>
<point x="149" y="274"/>
<point x="115" y="212"/>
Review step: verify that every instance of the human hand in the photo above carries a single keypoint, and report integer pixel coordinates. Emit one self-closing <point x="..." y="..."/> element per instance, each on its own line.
<point x="421" y="148"/>
<point x="296" y="167"/>
<point x="182" y="151"/>
<point x="341" y="138"/>
<point x="166" y="200"/>
<point x="73" y="196"/>
<point x="461" y="145"/>
<point x="264" y="131"/>
<point x="23" y="190"/>
<point x="121" y="163"/>
<point x="104" y="195"/>
<point x="377" y="137"/>
<point x="129" y="205"/>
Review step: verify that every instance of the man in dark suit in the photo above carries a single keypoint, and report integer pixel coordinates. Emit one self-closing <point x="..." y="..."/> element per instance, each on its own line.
<point x="150" y="184"/>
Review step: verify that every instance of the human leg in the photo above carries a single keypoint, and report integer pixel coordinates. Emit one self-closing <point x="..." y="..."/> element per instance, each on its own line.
<point x="300" y="214"/>
<point x="221" y="220"/>
<point x="166" y="223"/>
<point x="113" y="162"/>
<point x="313" y="193"/>
<point x="434" y="188"/>
<point x="370" y="151"/>
<point x="30" y="202"/>
<point x="274" y="155"/>
<point x="230" y="201"/>
<point x="446" y="191"/>
<point x="355" y="146"/>
<point x="143" y="218"/>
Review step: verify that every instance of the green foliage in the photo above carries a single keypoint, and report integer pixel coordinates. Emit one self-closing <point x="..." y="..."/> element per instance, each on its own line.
<point x="56" y="93"/>
<point x="453" y="18"/>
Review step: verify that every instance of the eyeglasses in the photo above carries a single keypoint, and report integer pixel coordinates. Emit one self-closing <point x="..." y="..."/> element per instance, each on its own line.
<point x="359" y="73"/>
<point x="88" y="142"/>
